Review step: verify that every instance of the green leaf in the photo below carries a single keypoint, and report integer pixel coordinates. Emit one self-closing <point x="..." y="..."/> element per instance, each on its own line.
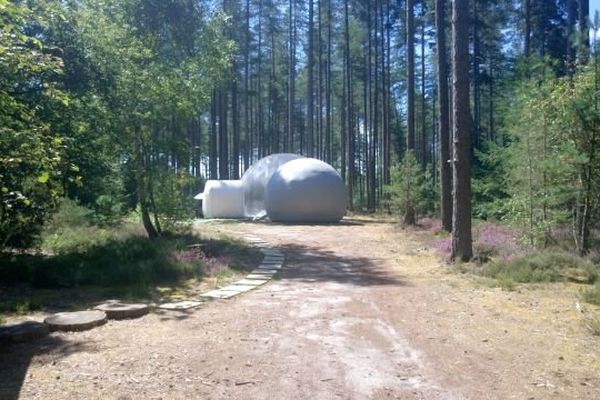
<point x="43" y="178"/>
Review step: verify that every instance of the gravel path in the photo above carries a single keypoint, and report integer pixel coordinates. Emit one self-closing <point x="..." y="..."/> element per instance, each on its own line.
<point x="359" y="311"/>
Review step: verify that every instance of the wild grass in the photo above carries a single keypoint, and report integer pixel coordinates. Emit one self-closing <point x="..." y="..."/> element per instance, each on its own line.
<point x="80" y="262"/>
<point x="592" y="295"/>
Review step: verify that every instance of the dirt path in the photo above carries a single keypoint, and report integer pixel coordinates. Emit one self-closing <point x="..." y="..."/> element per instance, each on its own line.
<point x="360" y="311"/>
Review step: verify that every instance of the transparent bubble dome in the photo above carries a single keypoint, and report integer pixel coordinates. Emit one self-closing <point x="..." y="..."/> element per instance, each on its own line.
<point x="255" y="179"/>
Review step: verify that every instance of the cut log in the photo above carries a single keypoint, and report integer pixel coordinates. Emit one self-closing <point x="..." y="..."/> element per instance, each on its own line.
<point x="118" y="310"/>
<point x="76" y="321"/>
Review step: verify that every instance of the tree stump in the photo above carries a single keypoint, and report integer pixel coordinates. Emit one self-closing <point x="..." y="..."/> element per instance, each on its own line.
<point x="118" y="310"/>
<point x="76" y="321"/>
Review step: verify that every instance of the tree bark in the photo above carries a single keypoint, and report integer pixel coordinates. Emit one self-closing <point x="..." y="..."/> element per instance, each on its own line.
<point x="410" y="74"/>
<point x="310" y="83"/>
<point x="409" y="216"/>
<point x="461" y="226"/>
<point x="142" y="184"/>
<point x="444" y="118"/>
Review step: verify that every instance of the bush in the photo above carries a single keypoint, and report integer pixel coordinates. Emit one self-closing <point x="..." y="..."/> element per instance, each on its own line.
<point x="74" y="229"/>
<point x="135" y="260"/>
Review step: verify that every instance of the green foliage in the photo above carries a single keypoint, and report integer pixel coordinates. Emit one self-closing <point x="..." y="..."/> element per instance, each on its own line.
<point x="410" y="188"/>
<point x="74" y="229"/>
<point x="552" y="164"/>
<point x="174" y="196"/>
<point x="489" y="186"/>
<point x="31" y="151"/>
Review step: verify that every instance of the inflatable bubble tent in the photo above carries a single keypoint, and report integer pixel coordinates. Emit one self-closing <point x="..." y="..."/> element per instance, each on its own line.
<point x="285" y="187"/>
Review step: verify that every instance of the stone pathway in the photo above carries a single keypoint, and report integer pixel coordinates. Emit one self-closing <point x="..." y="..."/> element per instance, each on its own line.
<point x="83" y="320"/>
<point x="271" y="264"/>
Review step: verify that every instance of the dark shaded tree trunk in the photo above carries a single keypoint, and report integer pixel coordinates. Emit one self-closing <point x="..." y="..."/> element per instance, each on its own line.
<point x="348" y="105"/>
<point x="409" y="216"/>
<point x="584" y="28"/>
<point x="310" y="84"/>
<point x="223" y="138"/>
<point x="461" y="222"/>
<point x="444" y="118"/>
<point x="142" y="184"/>
<point x="213" y="156"/>
<point x="410" y="74"/>
<point x="235" y="121"/>
<point x="571" y="18"/>
<point x="291" y="80"/>
<point x="423" y="97"/>
<point x="527" y="38"/>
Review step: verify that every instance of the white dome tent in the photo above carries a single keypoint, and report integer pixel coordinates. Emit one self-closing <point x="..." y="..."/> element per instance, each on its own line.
<point x="285" y="187"/>
<point x="255" y="181"/>
<point x="306" y="190"/>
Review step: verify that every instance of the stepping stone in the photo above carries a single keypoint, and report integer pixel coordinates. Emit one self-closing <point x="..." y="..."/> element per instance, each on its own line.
<point x="271" y="265"/>
<point x="271" y="252"/>
<point x="265" y="270"/>
<point x="251" y="282"/>
<point x="117" y="310"/>
<point x="277" y="256"/>
<point x="237" y="288"/>
<point x="180" y="305"/>
<point x="220" y="294"/>
<point x="22" y="331"/>
<point x="76" y="321"/>
<point x="265" y="261"/>
<point x="259" y="277"/>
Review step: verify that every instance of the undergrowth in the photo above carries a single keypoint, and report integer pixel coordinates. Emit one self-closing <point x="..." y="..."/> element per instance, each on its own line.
<point x="81" y="259"/>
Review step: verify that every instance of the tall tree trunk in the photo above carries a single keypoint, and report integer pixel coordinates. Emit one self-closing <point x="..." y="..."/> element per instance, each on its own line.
<point x="223" y="135"/>
<point x="444" y="118"/>
<point x="423" y="99"/>
<point x="213" y="153"/>
<point x="235" y="121"/>
<point x="348" y="105"/>
<point x="527" y="38"/>
<point x="476" y="129"/>
<point x="584" y="28"/>
<point x="319" y="143"/>
<point x="291" y="78"/>
<point x="247" y="122"/>
<point x="328" y="121"/>
<point x="571" y="18"/>
<point x="310" y="84"/>
<point x="409" y="216"/>
<point x="260" y="137"/>
<point x="461" y="224"/>
<point x="410" y="74"/>
<point x="142" y="184"/>
<point x="387" y="96"/>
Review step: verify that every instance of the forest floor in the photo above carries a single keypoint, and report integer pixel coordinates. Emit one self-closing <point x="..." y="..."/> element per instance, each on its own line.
<point x="361" y="310"/>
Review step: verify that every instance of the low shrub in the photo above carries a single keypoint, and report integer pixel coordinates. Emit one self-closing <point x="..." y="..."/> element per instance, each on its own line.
<point x="542" y="267"/>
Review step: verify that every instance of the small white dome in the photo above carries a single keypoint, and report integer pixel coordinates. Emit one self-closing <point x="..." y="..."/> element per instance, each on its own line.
<point x="305" y="190"/>
<point x="223" y="199"/>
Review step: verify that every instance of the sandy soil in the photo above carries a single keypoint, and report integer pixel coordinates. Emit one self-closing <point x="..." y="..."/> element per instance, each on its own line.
<point x="362" y="310"/>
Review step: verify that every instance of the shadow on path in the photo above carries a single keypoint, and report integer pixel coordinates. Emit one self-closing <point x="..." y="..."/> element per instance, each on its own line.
<point x="16" y="358"/>
<point x="311" y="264"/>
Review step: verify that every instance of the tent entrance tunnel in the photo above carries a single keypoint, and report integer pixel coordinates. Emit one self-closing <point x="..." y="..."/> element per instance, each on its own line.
<point x="284" y="187"/>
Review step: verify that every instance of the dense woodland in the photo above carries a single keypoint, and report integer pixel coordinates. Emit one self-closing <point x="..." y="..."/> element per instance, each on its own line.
<point x="424" y="107"/>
